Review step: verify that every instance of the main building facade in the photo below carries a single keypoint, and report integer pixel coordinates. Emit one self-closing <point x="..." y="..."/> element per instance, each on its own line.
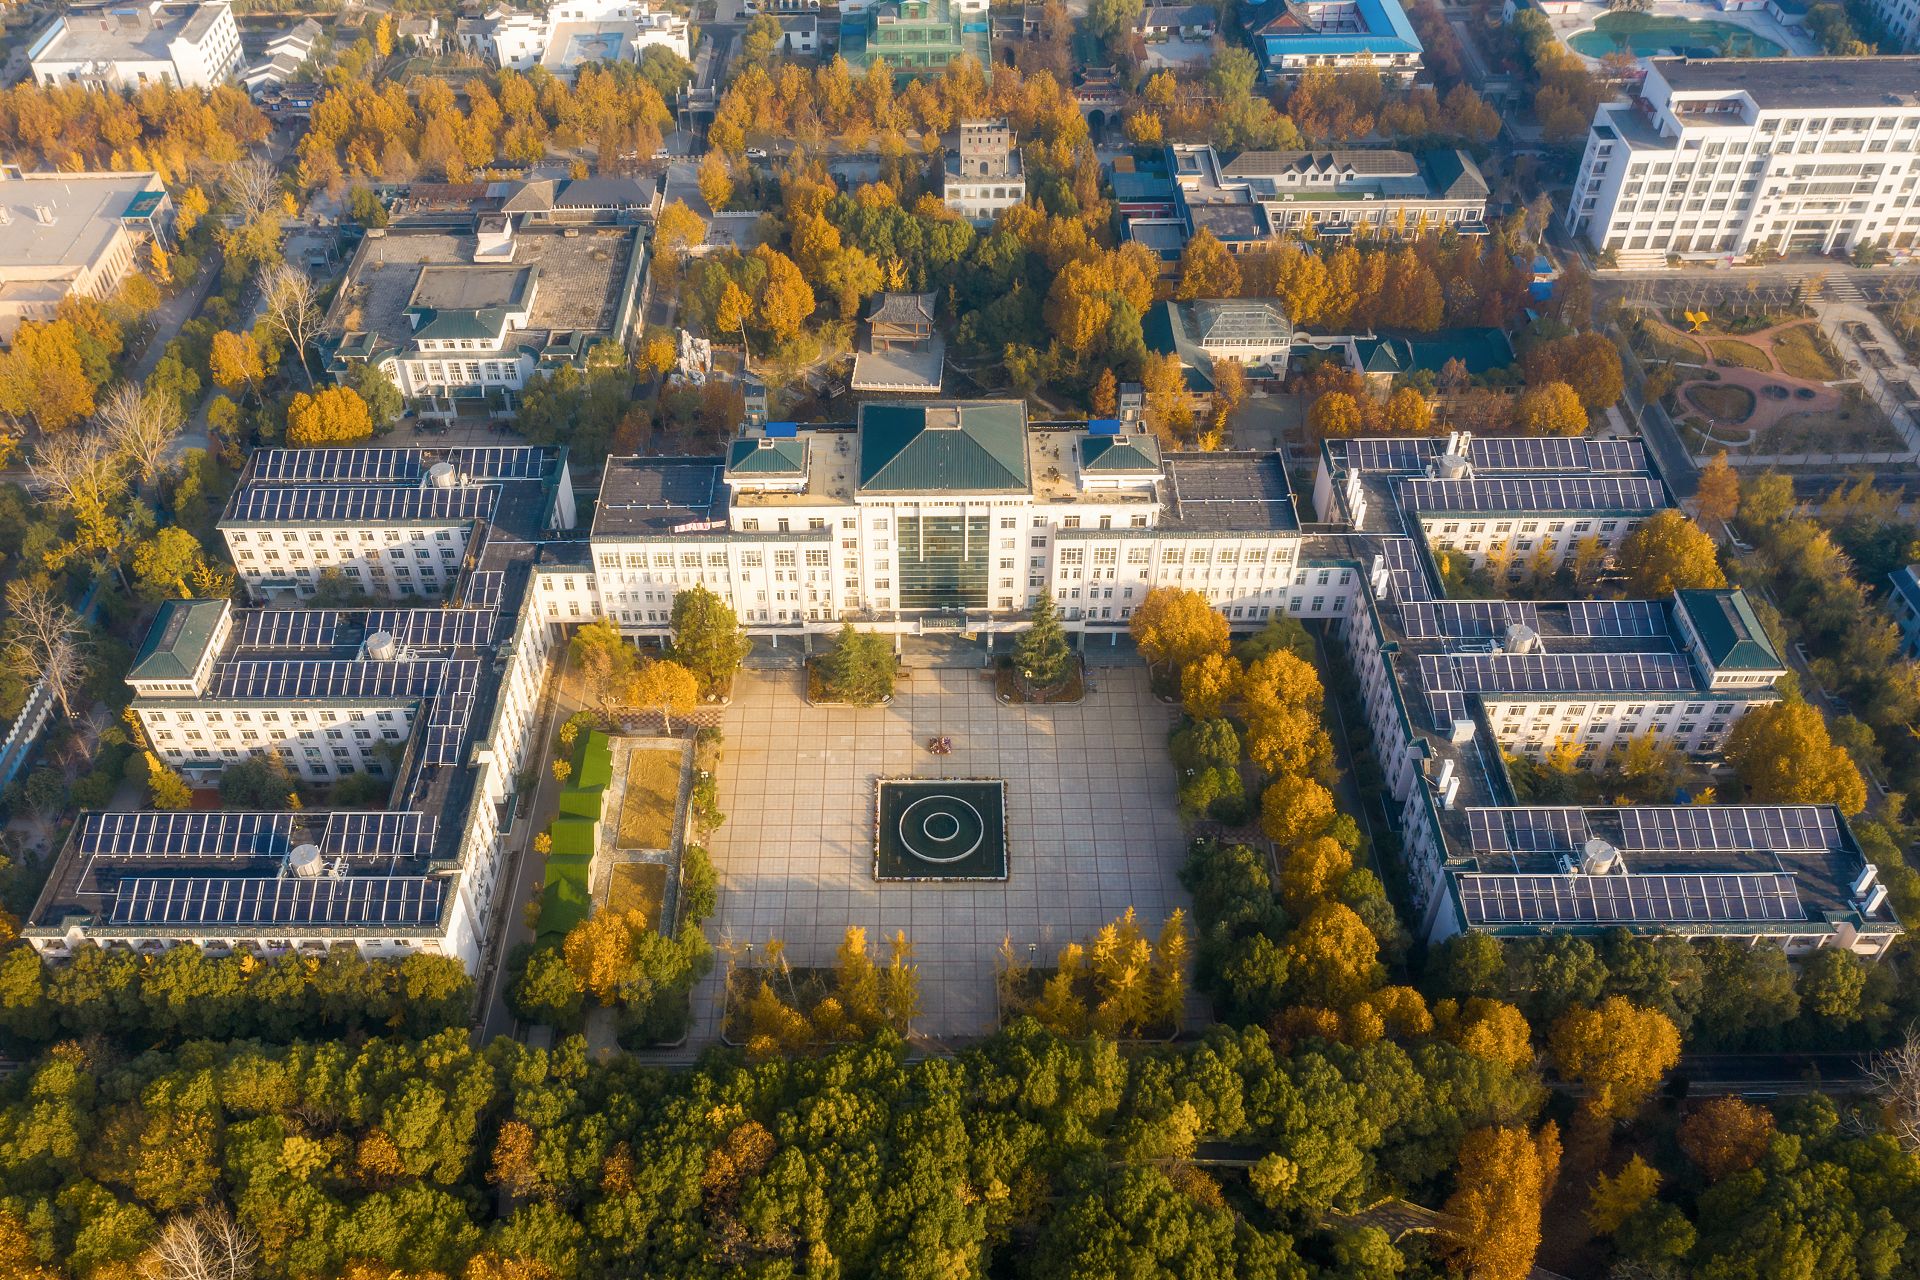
<point x="949" y="517"/>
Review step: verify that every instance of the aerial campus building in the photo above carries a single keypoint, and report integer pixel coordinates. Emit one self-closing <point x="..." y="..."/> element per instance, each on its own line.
<point x="72" y="234"/>
<point x="125" y="46"/>
<point x="1725" y="156"/>
<point x="1291" y="36"/>
<point x="572" y="34"/>
<point x="942" y="517"/>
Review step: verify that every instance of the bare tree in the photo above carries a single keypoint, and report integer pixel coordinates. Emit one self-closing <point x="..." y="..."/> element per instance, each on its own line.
<point x="1895" y="1078"/>
<point x="253" y="185"/>
<point x="142" y="426"/>
<point x="208" y="1245"/>
<point x="44" y="639"/>
<point x="291" y="309"/>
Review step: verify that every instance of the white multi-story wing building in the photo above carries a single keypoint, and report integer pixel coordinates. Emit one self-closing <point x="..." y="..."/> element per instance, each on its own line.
<point x="1726" y="156"/>
<point x="573" y="33"/>
<point x="940" y="517"/>
<point x="123" y="46"/>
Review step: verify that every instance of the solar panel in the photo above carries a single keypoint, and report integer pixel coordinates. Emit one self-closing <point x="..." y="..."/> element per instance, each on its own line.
<point x="280" y="900"/>
<point x="291" y="628"/>
<point x="1527" y="830"/>
<point x="1466" y="619"/>
<point x="1531" y="494"/>
<point x="366" y="504"/>
<point x="277" y="678"/>
<point x="1557" y="672"/>
<point x="435" y="628"/>
<point x="1388" y="455"/>
<point x="484" y="589"/>
<point x="399" y="835"/>
<point x="1778" y="828"/>
<point x="450" y="714"/>
<point x="1490" y="899"/>
<point x="501" y="462"/>
<point x="155" y="834"/>
<point x="1407" y="570"/>
<point x="365" y="466"/>
<point x="1449" y="706"/>
<point x="1616" y="618"/>
<point x="1554" y="453"/>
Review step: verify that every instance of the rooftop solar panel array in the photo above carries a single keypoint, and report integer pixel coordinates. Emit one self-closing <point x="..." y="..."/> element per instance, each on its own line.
<point x="358" y="466"/>
<point x="484" y="589"/>
<point x="1449" y="708"/>
<point x="1527" y="830"/>
<point x="452" y="709"/>
<point x="1640" y="618"/>
<point x="291" y="628"/>
<point x="1629" y="899"/>
<point x="1466" y="619"/>
<point x="151" y="834"/>
<point x="1388" y="455"/>
<point x="371" y="835"/>
<point x="435" y="628"/>
<point x="1779" y="828"/>
<point x="1552" y="453"/>
<point x="367" y="504"/>
<point x="1409" y="572"/>
<point x="1531" y="494"/>
<point x="278" y="678"/>
<point x="501" y="462"/>
<point x="1571" y="673"/>
<point x="281" y="900"/>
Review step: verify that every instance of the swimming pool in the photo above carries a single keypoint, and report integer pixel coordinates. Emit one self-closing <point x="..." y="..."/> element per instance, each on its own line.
<point x="1645" y="35"/>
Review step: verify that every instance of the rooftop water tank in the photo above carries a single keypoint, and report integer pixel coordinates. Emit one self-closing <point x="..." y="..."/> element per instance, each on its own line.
<point x="381" y="647"/>
<point x="305" y="861"/>
<point x="441" y="476"/>
<point x="1598" y="858"/>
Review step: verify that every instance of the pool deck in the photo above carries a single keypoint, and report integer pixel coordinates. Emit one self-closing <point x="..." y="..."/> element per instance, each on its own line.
<point x="1761" y="23"/>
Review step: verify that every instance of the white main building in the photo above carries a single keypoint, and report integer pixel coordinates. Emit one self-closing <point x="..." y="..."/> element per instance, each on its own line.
<point x="1729" y="155"/>
<point x="949" y="517"/>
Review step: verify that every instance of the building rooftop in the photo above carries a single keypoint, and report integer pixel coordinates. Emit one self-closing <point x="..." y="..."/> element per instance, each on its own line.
<point x="1365" y="26"/>
<point x="658" y="497"/>
<point x="1729" y="631"/>
<point x="974" y="446"/>
<point x="577" y="280"/>
<point x="141" y="33"/>
<point x="767" y="457"/>
<point x="1228" y="493"/>
<point x="1783" y="83"/>
<point x="179" y="637"/>
<point x="55" y="224"/>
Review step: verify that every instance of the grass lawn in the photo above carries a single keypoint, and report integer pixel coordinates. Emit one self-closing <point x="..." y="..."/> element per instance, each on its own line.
<point x="1661" y="343"/>
<point x="1800" y="355"/>
<point x="1855" y="428"/>
<point x="1722" y="403"/>
<point x="639" y="886"/>
<point x="653" y="790"/>
<point x="1742" y="355"/>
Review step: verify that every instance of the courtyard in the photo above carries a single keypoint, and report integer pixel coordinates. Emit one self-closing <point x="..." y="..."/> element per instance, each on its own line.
<point x="1091" y="827"/>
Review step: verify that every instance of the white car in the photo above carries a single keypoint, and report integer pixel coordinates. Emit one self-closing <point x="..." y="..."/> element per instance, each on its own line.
<point x="756" y="153"/>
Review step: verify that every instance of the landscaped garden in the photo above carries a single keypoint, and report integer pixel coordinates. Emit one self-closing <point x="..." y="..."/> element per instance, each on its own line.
<point x="651" y="799"/>
<point x="1741" y="355"/>
<point x="1803" y="352"/>
<point x="639" y="886"/>
<point x="1720" y="402"/>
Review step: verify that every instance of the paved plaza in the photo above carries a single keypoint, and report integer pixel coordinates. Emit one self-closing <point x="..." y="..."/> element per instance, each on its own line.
<point x="1091" y="827"/>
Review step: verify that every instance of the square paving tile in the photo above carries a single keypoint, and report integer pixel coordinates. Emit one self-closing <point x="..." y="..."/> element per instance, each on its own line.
<point x="1090" y="819"/>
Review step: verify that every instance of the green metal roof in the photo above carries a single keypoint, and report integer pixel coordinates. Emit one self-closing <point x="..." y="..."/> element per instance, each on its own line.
<point x="1119" y="453"/>
<point x="1728" y="629"/>
<point x="976" y="446"/>
<point x="767" y="457"/>
<point x="177" y="640"/>
<point x="1481" y="350"/>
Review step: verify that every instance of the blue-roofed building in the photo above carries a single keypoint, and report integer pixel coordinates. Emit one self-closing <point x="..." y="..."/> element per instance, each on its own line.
<point x="1904" y="604"/>
<point x="1293" y="35"/>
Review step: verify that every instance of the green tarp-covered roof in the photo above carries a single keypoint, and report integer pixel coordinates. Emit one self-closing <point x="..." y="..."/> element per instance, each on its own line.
<point x="576" y="803"/>
<point x="572" y="837"/>
<point x="944" y="446"/>
<point x="593" y="764"/>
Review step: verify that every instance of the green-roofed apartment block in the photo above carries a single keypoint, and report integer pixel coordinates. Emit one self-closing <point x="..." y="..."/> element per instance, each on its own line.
<point x="177" y="656"/>
<point x="1724" y="635"/>
<point x="975" y="446"/>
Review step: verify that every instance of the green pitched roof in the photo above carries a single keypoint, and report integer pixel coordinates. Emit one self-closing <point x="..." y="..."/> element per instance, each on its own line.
<point x="572" y="837"/>
<point x="1119" y="453"/>
<point x="594" y="768"/>
<point x="767" y="457"/>
<point x="971" y="447"/>
<point x="177" y="640"/>
<point x="576" y="803"/>
<point x="1729" y="631"/>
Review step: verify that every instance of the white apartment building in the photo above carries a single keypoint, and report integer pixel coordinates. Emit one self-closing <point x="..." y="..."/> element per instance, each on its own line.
<point x="119" y="46"/>
<point x="573" y="33"/>
<point x="1901" y="18"/>
<point x="981" y="175"/>
<point x="1725" y="156"/>
<point x="72" y="233"/>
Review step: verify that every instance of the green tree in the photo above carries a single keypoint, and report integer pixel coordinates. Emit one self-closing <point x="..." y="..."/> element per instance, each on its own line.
<point x="606" y="660"/>
<point x="859" y="668"/>
<point x="707" y="639"/>
<point x="1669" y="552"/>
<point x="1783" y="754"/>
<point x="165" y="788"/>
<point x="377" y="392"/>
<point x="667" y="687"/>
<point x="1174" y="626"/>
<point x="1041" y="654"/>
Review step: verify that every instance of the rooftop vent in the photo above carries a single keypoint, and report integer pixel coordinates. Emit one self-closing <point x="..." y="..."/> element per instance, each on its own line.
<point x="43" y="214"/>
<point x="944" y="418"/>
